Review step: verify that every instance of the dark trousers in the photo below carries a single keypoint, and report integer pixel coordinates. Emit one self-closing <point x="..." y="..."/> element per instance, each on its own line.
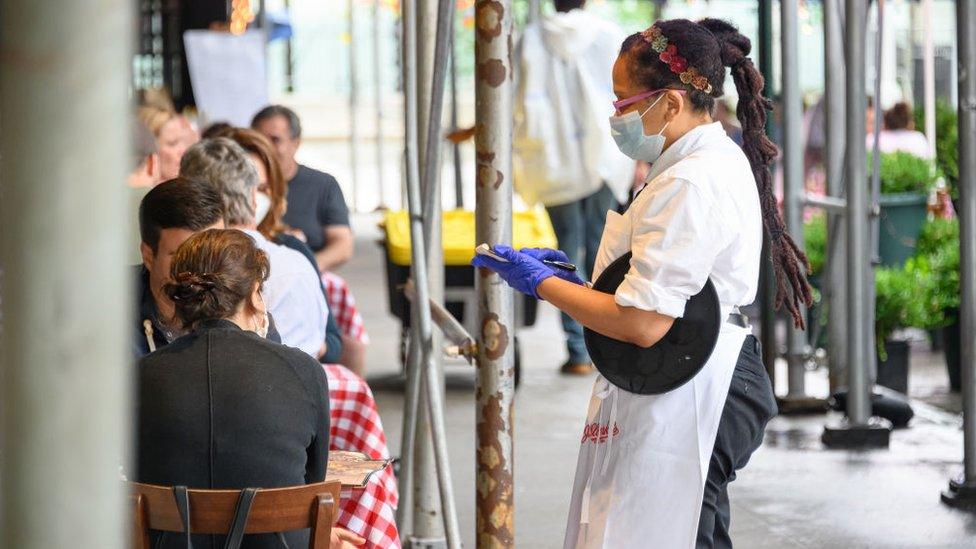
<point x="579" y="228"/>
<point x="750" y="405"/>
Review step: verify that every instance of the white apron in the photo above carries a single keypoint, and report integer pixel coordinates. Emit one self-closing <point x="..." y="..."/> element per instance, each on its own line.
<point x="643" y="459"/>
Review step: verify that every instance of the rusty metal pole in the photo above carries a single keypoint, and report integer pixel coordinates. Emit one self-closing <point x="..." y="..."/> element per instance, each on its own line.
<point x="495" y="510"/>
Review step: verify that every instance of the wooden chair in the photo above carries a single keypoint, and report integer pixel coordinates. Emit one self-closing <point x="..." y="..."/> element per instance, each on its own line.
<point x="273" y="510"/>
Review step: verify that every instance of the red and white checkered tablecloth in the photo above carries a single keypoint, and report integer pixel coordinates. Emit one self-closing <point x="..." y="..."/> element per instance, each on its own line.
<point x="356" y="426"/>
<point x="343" y="307"/>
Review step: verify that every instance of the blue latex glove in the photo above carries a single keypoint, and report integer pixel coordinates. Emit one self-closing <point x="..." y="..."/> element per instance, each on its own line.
<point x="522" y="272"/>
<point x="546" y="254"/>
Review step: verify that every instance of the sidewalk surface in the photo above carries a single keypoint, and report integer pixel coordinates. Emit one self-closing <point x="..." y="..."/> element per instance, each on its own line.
<point x="794" y="493"/>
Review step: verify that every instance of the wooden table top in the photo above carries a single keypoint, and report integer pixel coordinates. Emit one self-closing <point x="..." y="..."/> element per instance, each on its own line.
<point x="353" y="469"/>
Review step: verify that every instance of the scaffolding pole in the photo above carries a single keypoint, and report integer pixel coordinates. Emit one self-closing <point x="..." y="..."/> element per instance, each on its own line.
<point x="962" y="490"/>
<point x="431" y="209"/>
<point x="353" y="103"/>
<point x="456" y="147"/>
<point x="767" y="288"/>
<point x="65" y="371"/>
<point x="406" y="510"/>
<point x="928" y="75"/>
<point x="427" y="512"/>
<point x="859" y="430"/>
<point x="378" y="105"/>
<point x="797" y="348"/>
<point x="835" y="289"/>
<point x="494" y="499"/>
<point x="874" y="208"/>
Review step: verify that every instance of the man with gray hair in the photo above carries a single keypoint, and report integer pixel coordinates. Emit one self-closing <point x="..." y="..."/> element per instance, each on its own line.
<point x="292" y="291"/>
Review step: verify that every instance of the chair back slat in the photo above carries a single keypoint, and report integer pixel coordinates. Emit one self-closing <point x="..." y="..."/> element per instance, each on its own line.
<point x="212" y="511"/>
<point x="140" y="530"/>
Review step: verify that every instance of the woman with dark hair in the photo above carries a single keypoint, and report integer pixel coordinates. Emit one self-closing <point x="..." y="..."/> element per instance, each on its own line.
<point x="222" y="407"/>
<point x="899" y="134"/>
<point x="654" y="469"/>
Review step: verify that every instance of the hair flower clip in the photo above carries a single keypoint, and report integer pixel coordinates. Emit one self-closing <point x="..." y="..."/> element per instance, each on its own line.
<point x="702" y="84"/>
<point x="678" y="64"/>
<point x="668" y="54"/>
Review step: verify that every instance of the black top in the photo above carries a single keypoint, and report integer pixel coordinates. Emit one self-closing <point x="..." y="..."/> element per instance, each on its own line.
<point x="315" y="201"/>
<point x="333" y="337"/>
<point x="223" y="408"/>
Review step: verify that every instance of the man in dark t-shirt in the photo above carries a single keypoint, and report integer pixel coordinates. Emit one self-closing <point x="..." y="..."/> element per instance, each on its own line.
<point x="316" y="206"/>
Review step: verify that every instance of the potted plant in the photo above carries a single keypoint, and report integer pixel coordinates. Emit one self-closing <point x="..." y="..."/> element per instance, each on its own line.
<point x="896" y="308"/>
<point x="946" y="141"/>
<point x="905" y="183"/>
<point x="815" y="246"/>
<point x="936" y="267"/>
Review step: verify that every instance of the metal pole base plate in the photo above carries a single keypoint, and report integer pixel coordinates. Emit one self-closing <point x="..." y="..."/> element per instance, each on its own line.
<point x="960" y="495"/>
<point x="876" y="433"/>
<point x="426" y="543"/>
<point x="801" y="405"/>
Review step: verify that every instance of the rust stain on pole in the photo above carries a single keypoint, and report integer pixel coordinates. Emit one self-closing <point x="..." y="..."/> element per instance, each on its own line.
<point x="496" y="527"/>
<point x="492" y="72"/>
<point x="489" y="16"/>
<point x="494" y="337"/>
<point x="487" y="174"/>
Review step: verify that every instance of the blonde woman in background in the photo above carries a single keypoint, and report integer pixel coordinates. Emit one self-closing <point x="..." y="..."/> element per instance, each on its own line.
<point x="174" y="135"/>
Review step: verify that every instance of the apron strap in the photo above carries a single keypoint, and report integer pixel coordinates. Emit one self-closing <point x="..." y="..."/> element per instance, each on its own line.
<point x="610" y="426"/>
<point x="603" y="390"/>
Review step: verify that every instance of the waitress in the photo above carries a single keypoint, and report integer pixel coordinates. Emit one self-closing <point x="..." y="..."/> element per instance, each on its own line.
<point x="653" y="470"/>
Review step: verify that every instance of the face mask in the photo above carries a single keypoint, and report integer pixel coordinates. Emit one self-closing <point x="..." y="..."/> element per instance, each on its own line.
<point x="262" y="329"/>
<point x="262" y="205"/>
<point x="628" y="132"/>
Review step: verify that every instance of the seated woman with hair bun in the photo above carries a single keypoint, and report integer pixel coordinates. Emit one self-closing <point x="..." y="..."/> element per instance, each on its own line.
<point x="222" y="407"/>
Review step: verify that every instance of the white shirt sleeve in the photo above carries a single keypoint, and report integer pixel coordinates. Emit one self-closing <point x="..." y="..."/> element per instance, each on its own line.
<point x="675" y="238"/>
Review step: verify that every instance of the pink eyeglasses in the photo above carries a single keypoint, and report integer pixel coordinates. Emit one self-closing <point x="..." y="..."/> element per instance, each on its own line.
<point x="640" y="97"/>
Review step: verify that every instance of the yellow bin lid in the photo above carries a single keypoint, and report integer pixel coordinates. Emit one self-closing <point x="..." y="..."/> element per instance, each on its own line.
<point x="530" y="229"/>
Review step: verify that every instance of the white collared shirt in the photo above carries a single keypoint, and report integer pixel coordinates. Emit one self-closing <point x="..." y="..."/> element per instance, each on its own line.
<point x="294" y="297"/>
<point x="698" y="218"/>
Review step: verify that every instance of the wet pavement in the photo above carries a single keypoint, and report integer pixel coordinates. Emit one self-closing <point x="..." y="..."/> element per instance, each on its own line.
<point x="794" y="493"/>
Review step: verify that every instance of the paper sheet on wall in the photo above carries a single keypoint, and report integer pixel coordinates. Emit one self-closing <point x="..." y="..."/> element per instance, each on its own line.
<point x="228" y="74"/>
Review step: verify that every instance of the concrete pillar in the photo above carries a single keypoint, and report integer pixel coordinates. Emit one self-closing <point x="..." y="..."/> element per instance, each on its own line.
<point x="64" y="75"/>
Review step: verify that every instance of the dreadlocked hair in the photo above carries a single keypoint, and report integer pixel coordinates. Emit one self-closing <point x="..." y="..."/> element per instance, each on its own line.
<point x="710" y="45"/>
